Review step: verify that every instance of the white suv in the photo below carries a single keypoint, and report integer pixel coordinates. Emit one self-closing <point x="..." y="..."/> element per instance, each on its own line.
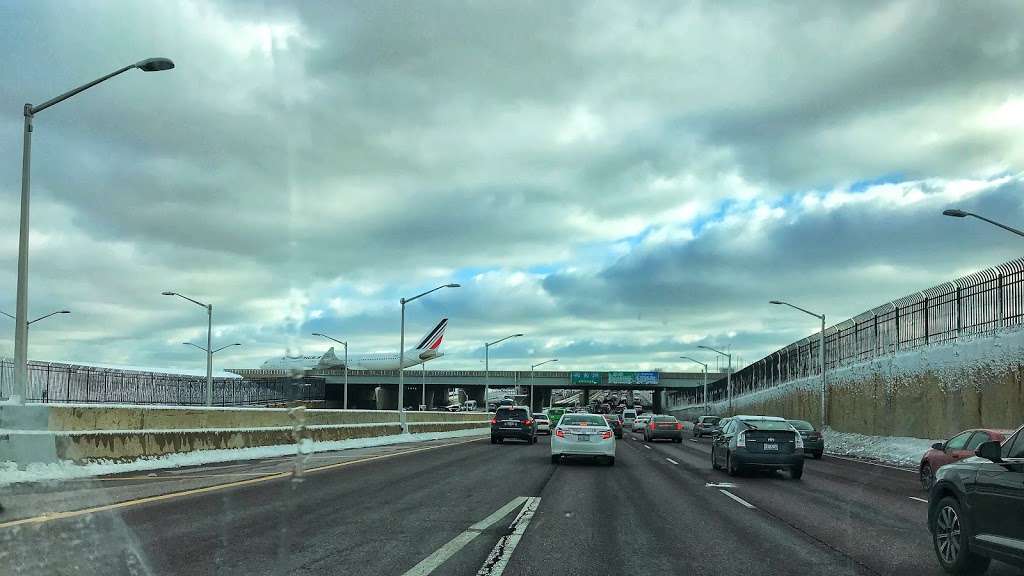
<point x="628" y="415"/>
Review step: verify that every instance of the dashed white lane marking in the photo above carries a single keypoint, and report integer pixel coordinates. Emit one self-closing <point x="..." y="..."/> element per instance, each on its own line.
<point x="918" y="499"/>
<point x="646" y="446"/>
<point x="736" y="498"/>
<point x="694" y="440"/>
<point x="502" y="551"/>
<point x="672" y="461"/>
<point x="719" y="485"/>
<point x="442" y="554"/>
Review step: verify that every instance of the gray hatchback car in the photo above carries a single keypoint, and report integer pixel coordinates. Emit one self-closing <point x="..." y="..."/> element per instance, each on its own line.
<point x="758" y="442"/>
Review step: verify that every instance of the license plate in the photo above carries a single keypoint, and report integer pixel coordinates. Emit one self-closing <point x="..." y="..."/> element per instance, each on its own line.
<point x="583" y="437"/>
<point x="773" y="447"/>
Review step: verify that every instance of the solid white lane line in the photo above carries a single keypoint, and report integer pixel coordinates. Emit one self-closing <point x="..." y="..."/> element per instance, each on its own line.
<point x="672" y="461"/>
<point x="918" y="499"/>
<point x="430" y="563"/>
<point x="646" y="446"/>
<point x="737" y="498"/>
<point x="502" y="551"/>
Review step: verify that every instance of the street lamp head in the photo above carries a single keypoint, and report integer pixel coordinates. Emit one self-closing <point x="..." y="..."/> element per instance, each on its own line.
<point x="954" y="213"/>
<point x="317" y="334"/>
<point x="169" y="293"/>
<point x="237" y="344"/>
<point x="775" y="302"/>
<point x="155" y="64"/>
<point x="453" y="285"/>
<point x="64" y="312"/>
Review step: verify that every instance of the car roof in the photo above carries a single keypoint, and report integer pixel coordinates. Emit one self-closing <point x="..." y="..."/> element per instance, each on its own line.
<point x="749" y="417"/>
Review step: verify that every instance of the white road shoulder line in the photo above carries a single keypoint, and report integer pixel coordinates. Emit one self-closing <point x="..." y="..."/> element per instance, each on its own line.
<point x="869" y="463"/>
<point x="918" y="499"/>
<point x="672" y="461"/>
<point x="737" y="498"/>
<point x="502" y="551"/>
<point x="646" y="446"/>
<point x="442" y="554"/>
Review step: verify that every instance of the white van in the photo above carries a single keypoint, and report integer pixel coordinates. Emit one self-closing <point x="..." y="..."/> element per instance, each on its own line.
<point x="628" y="415"/>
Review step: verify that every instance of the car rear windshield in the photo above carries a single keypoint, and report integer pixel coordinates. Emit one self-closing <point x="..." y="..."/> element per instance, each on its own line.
<point x="511" y="413"/>
<point x="801" y="425"/>
<point x="710" y="420"/>
<point x="767" y="424"/>
<point x="665" y="419"/>
<point x="540" y="416"/>
<point x="584" y="419"/>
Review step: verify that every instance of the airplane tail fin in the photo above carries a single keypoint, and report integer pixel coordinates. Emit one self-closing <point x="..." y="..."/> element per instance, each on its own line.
<point x="432" y="341"/>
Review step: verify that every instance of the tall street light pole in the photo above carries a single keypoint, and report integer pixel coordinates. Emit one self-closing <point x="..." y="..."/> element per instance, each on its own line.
<point x="487" y="368"/>
<point x="962" y="214"/>
<point x="21" y="311"/>
<point x="705" y="379"/>
<point x="401" y="355"/>
<point x="344" y="400"/>
<point x="821" y="353"/>
<point x="728" y="373"/>
<point x="209" y="342"/>
<point x="532" y="366"/>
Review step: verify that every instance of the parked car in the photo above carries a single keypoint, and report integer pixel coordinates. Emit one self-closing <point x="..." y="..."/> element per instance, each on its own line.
<point x="615" y="424"/>
<point x="814" y="444"/>
<point x="583" y="435"/>
<point x="639" y="423"/>
<point x="763" y="442"/>
<point x="976" y="508"/>
<point x="664" y="428"/>
<point x="955" y="449"/>
<point x="543" y="424"/>
<point x="705" y="426"/>
<point x="513" y="422"/>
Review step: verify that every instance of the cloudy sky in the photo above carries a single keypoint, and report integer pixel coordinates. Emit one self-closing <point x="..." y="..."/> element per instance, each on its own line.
<point x="621" y="181"/>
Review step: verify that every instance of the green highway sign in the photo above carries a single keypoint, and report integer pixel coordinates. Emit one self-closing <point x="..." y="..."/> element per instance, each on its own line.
<point x="586" y="378"/>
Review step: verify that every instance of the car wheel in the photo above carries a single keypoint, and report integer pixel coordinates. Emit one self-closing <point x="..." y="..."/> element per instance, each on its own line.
<point x="555" y="458"/>
<point x="951" y="541"/>
<point x="796" y="472"/>
<point x="714" y="463"/>
<point x="730" y="467"/>
<point x="927" y="478"/>
<point x="501" y="440"/>
<point x="494" y="440"/>
<point x="817" y="455"/>
<point x="611" y="460"/>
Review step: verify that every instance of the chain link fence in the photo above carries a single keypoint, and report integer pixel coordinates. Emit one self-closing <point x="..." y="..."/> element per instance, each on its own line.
<point x="57" y="382"/>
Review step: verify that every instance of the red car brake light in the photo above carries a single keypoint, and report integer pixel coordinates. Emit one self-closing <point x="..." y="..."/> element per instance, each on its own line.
<point x="494" y="421"/>
<point x="606" y="434"/>
<point x="679" y="425"/>
<point x="653" y="426"/>
<point x="559" y="433"/>
<point x="528" y="422"/>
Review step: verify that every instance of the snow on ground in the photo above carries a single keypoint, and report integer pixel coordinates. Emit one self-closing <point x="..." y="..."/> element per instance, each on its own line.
<point x="895" y="450"/>
<point x="10" y="473"/>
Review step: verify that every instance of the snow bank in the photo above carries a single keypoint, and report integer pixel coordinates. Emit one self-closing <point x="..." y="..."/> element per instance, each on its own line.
<point x="10" y="473"/>
<point x="894" y="450"/>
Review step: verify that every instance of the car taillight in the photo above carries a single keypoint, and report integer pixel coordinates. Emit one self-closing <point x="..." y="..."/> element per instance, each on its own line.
<point x="528" y="422"/>
<point x="679" y="425"/>
<point x="653" y="427"/>
<point x="494" y="420"/>
<point x="559" y="433"/>
<point x="741" y="440"/>
<point x="799" y="442"/>
<point x="606" y="434"/>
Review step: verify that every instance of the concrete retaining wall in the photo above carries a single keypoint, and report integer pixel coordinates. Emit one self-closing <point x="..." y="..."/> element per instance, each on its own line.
<point x="930" y="392"/>
<point x="81" y="433"/>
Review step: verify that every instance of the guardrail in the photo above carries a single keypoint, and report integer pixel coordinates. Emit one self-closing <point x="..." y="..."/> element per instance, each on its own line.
<point x="979" y="303"/>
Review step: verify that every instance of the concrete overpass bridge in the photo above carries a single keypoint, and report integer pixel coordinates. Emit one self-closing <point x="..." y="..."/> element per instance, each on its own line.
<point x="378" y="389"/>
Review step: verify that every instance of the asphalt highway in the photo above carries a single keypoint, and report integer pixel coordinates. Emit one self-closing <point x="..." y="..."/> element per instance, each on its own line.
<point x="465" y="506"/>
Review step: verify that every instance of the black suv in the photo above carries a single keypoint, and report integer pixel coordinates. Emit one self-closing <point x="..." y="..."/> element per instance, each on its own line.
<point x="513" y="422"/>
<point x="976" y="508"/>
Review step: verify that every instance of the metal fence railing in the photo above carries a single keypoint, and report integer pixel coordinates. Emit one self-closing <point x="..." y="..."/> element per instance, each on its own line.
<point x="979" y="303"/>
<point x="56" y="382"/>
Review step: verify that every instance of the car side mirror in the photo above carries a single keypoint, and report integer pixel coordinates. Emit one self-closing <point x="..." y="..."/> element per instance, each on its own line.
<point x="939" y="446"/>
<point x="990" y="451"/>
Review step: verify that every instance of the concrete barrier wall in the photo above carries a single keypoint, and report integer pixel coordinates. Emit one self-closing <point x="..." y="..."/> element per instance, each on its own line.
<point x="930" y="392"/>
<point x="81" y="433"/>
